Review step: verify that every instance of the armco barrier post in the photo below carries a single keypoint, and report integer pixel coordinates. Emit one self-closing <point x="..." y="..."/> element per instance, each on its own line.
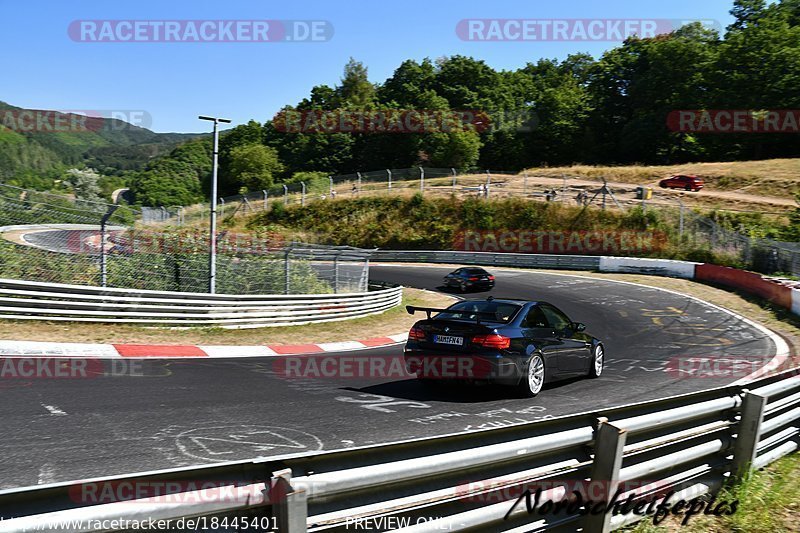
<point x="609" y="442"/>
<point x="746" y="446"/>
<point x="289" y="506"/>
<point x="421" y="179"/>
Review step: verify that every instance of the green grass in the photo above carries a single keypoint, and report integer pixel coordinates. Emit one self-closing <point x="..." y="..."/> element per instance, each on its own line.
<point x="436" y="223"/>
<point x="769" y="502"/>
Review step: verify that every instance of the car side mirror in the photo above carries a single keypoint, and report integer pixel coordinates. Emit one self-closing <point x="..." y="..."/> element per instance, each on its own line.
<point x="579" y="326"/>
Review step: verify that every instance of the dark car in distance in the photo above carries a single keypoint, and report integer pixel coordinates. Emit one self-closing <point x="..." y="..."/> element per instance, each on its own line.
<point x="687" y="183"/>
<point x="520" y="343"/>
<point x="469" y="278"/>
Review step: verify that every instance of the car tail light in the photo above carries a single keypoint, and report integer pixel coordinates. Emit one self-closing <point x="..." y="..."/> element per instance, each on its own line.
<point x="474" y="279"/>
<point x="491" y="278"/>
<point x="492" y="341"/>
<point x="416" y="334"/>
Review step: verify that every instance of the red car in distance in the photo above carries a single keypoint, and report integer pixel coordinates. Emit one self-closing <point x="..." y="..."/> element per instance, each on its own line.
<point x="687" y="183"/>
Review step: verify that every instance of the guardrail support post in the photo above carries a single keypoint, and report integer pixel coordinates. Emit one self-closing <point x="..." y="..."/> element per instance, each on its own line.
<point x="303" y="194"/>
<point x="266" y="199"/>
<point x="421" y="179"/>
<point x="285" y="194"/>
<point x="289" y="506"/>
<point x="746" y="446"/>
<point x="609" y="442"/>
<point x="454" y="179"/>
<point x="389" y="172"/>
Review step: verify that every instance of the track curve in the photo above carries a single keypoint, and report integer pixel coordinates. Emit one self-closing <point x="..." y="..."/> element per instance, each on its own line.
<point x="180" y="413"/>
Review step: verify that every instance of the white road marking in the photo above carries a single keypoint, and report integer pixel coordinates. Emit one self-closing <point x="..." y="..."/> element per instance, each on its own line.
<point x="54" y="410"/>
<point x="47" y="474"/>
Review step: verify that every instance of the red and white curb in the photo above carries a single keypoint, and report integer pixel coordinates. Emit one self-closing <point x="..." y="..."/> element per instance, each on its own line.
<point x="166" y="351"/>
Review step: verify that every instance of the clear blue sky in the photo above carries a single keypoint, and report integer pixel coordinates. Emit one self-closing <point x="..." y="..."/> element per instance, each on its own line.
<point x="174" y="82"/>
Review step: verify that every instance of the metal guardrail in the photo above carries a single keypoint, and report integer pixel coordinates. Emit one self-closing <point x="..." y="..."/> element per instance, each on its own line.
<point x="571" y="262"/>
<point x="689" y="444"/>
<point x="26" y="300"/>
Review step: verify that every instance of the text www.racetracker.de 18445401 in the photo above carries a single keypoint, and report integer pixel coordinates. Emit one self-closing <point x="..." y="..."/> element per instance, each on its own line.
<point x="198" y="523"/>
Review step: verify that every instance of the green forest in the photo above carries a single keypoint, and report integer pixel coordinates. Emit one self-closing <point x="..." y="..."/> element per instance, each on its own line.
<point x="608" y="110"/>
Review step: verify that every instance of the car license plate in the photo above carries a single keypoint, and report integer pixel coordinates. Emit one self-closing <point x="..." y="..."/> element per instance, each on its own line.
<point x="448" y="339"/>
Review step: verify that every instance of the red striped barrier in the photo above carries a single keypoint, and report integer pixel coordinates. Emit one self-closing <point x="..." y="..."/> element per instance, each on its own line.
<point x="749" y="282"/>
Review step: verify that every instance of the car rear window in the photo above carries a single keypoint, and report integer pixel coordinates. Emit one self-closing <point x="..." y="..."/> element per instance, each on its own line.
<point x="479" y="271"/>
<point x="502" y="312"/>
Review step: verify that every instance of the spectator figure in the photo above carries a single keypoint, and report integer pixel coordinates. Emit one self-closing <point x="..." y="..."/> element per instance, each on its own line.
<point x="333" y="194"/>
<point x="354" y="189"/>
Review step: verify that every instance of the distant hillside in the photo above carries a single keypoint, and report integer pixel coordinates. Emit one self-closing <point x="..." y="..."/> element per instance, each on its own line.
<point x="32" y="155"/>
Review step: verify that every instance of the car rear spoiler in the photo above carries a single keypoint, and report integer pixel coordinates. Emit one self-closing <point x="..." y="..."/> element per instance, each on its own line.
<point x="428" y="310"/>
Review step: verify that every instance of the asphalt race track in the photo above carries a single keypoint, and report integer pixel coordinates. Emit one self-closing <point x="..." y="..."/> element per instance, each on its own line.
<point x="186" y="412"/>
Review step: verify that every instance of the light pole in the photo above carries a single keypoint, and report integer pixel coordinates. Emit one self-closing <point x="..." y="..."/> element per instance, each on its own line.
<point x="212" y="241"/>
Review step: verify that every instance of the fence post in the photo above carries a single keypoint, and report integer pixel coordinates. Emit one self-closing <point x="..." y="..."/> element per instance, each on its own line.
<point x="221" y="207"/>
<point x="336" y="273"/>
<point x="746" y="446"/>
<point x="609" y="442"/>
<point x="330" y="189"/>
<point x="285" y="194"/>
<point x="390" y="178"/>
<point x="303" y="194"/>
<point x="365" y="276"/>
<point x="454" y="179"/>
<point x="286" y="261"/>
<point x="266" y="199"/>
<point x="421" y="179"/>
<point x="488" y="183"/>
<point x="289" y="506"/>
